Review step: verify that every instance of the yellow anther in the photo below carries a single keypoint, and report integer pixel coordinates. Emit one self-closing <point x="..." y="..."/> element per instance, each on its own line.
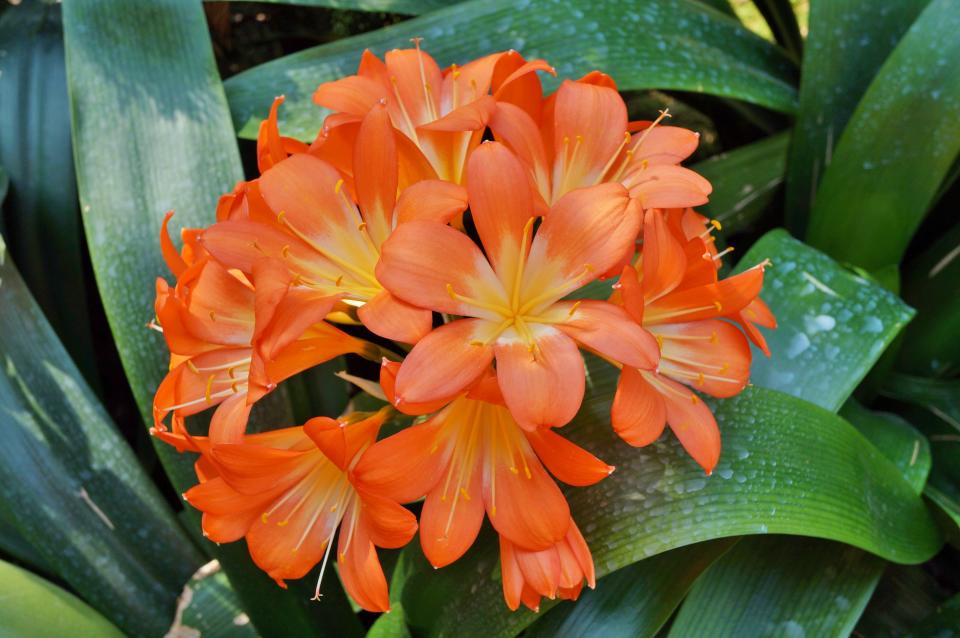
<point x="700" y="378"/>
<point x="716" y="224"/>
<point x="693" y="399"/>
<point x="724" y="367"/>
<point x="192" y="366"/>
<point x="285" y="250"/>
<point x="362" y="226"/>
<point x="263" y="517"/>
<point x="282" y="217"/>
<point x="296" y="280"/>
<point x="644" y="164"/>
<point x="213" y="316"/>
<point x="334" y="508"/>
<point x="338" y="186"/>
<point x="450" y="291"/>
<point x="574" y="307"/>
<point x="718" y="305"/>
<point x="660" y="341"/>
<point x="526" y="470"/>
<point x="283" y="523"/>
<point x="465" y="493"/>
<point x="713" y="337"/>
<point x="206" y="393"/>
<point x="477" y="342"/>
<point x="514" y="470"/>
<point x="338" y="281"/>
<point x="235" y="388"/>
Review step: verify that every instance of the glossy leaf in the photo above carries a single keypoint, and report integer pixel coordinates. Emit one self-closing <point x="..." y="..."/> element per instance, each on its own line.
<point x="834" y="324"/>
<point x="31" y="607"/>
<point x="87" y="507"/>
<point x="408" y="7"/>
<point x="932" y="286"/>
<point x="943" y="623"/>
<point x="151" y="133"/>
<point x="745" y="181"/>
<point x="635" y="601"/>
<point x="707" y="53"/>
<point x="208" y="607"/>
<point x="782" y="20"/>
<point x="42" y="220"/>
<point x="892" y="179"/>
<point x="777" y="586"/>
<point x="905" y="596"/>
<point x="847" y="43"/>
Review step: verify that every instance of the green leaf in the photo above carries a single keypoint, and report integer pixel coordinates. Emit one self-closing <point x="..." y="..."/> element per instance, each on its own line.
<point x="932" y="286"/>
<point x="42" y="220"/>
<point x="745" y="181"/>
<point x="208" y="607"/>
<point x="635" y="601"/>
<point x="151" y="133"/>
<point x="778" y="586"/>
<point x="723" y="6"/>
<point x="782" y="21"/>
<point x="892" y="156"/>
<point x="88" y="509"/>
<point x="944" y="623"/>
<point x="392" y="624"/>
<point x="788" y="467"/>
<point x="904" y="597"/>
<point x="30" y="607"/>
<point x="847" y="43"/>
<point x="685" y="46"/>
<point x="834" y="324"/>
<point x="408" y="7"/>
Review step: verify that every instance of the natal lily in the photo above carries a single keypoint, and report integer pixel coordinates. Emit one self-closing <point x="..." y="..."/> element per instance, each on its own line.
<point x="510" y="294"/>
<point x="555" y="572"/>
<point x="674" y="293"/>
<point x="583" y="138"/>
<point x="472" y="457"/>
<point x="310" y="223"/>
<point x="443" y="113"/>
<point x="288" y="491"/>
<point x="208" y="322"/>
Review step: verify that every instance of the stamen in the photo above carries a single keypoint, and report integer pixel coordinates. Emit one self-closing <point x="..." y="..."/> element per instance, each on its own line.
<point x="427" y="91"/>
<point x="613" y="158"/>
<point x="556" y="292"/>
<point x="719" y="255"/>
<point x="574" y="307"/>
<point x="411" y="131"/>
<point x="500" y="310"/>
<point x="323" y="566"/>
<point x="344" y="264"/>
<point x="521" y="262"/>
<point x="643" y="136"/>
<point x="206" y="393"/>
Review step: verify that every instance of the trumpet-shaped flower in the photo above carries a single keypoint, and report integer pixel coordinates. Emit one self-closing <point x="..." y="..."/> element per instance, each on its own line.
<point x="511" y="293"/>
<point x="555" y="572"/>
<point x="472" y="457"/>
<point x="288" y="491"/>
<point x="443" y="113"/>
<point x="675" y="294"/>
<point x="308" y="222"/>
<point x="208" y="321"/>
<point x="583" y="138"/>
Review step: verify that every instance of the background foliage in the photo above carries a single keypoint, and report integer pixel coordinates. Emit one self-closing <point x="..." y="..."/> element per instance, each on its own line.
<point x="830" y="133"/>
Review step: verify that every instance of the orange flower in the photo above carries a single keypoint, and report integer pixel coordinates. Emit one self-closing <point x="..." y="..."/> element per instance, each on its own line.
<point x="472" y="457"/>
<point x="217" y="356"/>
<point x="288" y="491"/>
<point x="674" y="293"/>
<point x="300" y="214"/>
<point x="583" y="138"/>
<point x="511" y="293"/>
<point x="558" y="571"/>
<point x="443" y="113"/>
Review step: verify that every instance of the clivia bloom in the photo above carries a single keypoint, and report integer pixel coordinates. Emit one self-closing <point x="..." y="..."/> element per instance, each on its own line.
<point x="288" y="491"/>
<point x="208" y="322"/>
<point x="301" y="215"/>
<point x="442" y="113"/>
<point x="472" y="458"/>
<point x="510" y="294"/>
<point x="583" y="138"/>
<point x="674" y="293"/>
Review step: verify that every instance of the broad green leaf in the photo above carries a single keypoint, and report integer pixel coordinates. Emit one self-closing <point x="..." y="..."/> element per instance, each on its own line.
<point x="905" y="596"/>
<point x="745" y="181"/>
<point x="392" y="624"/>
<point x="788" y="467"/>
<point x="780" y="586"/>
<point x="892" y="157"/>
<point x="834" y="324"/>
<point x="31" y="607"/>
<point x="42" y="219"/>
<point x="943" y="623"/>
<point x="723" y="6"/>
<point x="783" y="25"/>
<point x="88" y="509"/>
<point x="635" y="601"/>
<point x="408" y="7"/>
<point x="685" y="46"/>
<point x="847" y="43"/>
<point x="151" y="133"/>
<point x="208" y="607"/>
<point x="932" y="286"/>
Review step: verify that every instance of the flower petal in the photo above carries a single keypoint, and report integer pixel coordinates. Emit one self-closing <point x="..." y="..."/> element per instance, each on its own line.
<point x="543" y="388"/>
<point x="711" y="355"/>
<point x="354" y="94"/>
<point x="566" y="460"/>
<point x="638" y="414"/>
<point x="665" y="186"/>
<point x="609" y="330"/>
<point x="389" y="524"/>
<point x="450" y="522"/>
<point x="512" y="126"/>
<point x="718" y="299"/>
<point x="417" y="82"/>
<point x="666" y="145"/>
<point x="404" y="466"/>
<point x="392" y="318"/>
<point x="375" y="173"/>
<point x="692" y="422"/>
<point x="360" y="569"/>
<point x="431" y="200"/>
<point x="663" y="259"/>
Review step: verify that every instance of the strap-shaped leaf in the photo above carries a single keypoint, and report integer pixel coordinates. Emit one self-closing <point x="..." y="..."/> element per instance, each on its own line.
<point x="834" y="324"/>
<point x="782" y="20"/>
<point x="633" y="602"/>
<point x="208" y="607"/>
<point x="906" y="595"/>
<point x="684" y="45"/>
<point x="151" y="133"/>
<point x="408" y="7"/>
<point x="942" y="623"/>
<point x="892" y="157"/>
<point x="70" y="484"/>
<point x="31" y="607"/>
<point x="847" y="43"/>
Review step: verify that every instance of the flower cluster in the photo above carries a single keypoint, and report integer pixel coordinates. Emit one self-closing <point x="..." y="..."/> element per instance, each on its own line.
<point x="400" y="224"/>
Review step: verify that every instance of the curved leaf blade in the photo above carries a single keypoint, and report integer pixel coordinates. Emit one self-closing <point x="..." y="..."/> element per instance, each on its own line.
<point x="685" y="46"/>
<point x="408" y="7"/>
<point x="893" y="179"/>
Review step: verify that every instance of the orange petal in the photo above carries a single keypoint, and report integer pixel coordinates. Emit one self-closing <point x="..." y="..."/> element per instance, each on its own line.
<point x="417" y="82"/>
<point x="512" y="126"/>
<point x="666" y="145"/>
<point x="665" y="186"/>
<point x="431" y="200"/>
<point x="391" y="318"/>
<point x="515" y="82"/>
<point x="443" y="363"/>
<point x="469" y="117"/>
<point x="170" y="255"/>
<point x="582" y="552"/>
<point x="711" y="355"/>
<point x="341" y="441"/>
<point x="360" y="571"/>
<point x="388" y="381"/>
<point x="269" y="144"/>
<point x="389" y="524"/>
<point x="663" y="259"/>
<point x="501" y="204"/>
<point x="609" y="330"/>
<point x="406" y="465"/>
<point x="638" y="413"/>
<point x="544" y="387"/>
<point x="510" y="573"/>
<point x="718" y="299"/>
<point x="630" y="293"/>
<point x="567" y="461"/>
<point x="692" y="422"/>
<point x="229" y="421"/>
<point x="429" y="265"/>
<point x="353" y="94"/>
<point x="451" y="521"/>
<point x="540" y="569"/>
<point x="241" y="243"/>
<point x="375" y="173"/>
